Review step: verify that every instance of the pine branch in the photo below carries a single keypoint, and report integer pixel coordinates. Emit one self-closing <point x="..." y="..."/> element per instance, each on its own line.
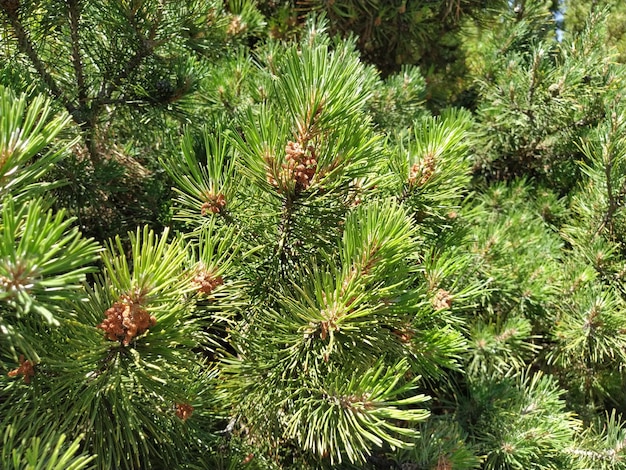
<point x="147" y="45"/>
<point x="25" y="46"/>
<point x="608" y="161"/>
<point x="284" y="229"/>
<point x="606" y="221"/>
<point x="74" y="19"/>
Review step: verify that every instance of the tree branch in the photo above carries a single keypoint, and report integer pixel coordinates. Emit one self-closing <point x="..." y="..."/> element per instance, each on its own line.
<point x="74" y="17"/>
<point x="607" y="221"/>
<point x="25" y="46"/>
<point x="146" y="48"/>
<point x="284" y="228"/>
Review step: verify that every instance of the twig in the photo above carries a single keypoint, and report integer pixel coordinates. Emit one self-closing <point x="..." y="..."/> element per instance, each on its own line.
<point x="74" y="17"/>
<point x="25" y="46"/>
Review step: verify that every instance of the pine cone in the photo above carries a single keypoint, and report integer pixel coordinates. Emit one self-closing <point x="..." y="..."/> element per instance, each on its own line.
<point x="126" y="320"/>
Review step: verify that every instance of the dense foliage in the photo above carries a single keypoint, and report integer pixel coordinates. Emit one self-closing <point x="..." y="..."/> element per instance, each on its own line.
<point x="347" y="234"/>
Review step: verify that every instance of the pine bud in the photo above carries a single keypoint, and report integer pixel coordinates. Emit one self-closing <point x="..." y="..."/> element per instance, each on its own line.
<point x="207" y="282"/>
<point x="442" y="300"/>
<point x="184" y="411"/>
<point x="26" y="369"/>
<point x="214" y="204"/>
<point x="422" y="171"/>
<point x="126" y="320"/>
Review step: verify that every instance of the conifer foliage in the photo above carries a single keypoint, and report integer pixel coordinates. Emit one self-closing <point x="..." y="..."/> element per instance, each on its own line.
<point x="346" y="279"/>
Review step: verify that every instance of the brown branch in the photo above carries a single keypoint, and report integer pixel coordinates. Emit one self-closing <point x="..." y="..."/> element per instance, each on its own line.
<point x="284" y="228"/>
<point x="106" y="90"/>
<point x="74" y="17"/>
<point x="25" y="46"/>
<point x="607" y="221"/>
<point x="147" y="45"/>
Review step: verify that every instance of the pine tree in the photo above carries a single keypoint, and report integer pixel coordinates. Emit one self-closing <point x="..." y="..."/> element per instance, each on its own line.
<point x="347" y="281"/>
<point x="129" y="73"/>
<point x="317" y="362"/>
<point x="575" y="15"/>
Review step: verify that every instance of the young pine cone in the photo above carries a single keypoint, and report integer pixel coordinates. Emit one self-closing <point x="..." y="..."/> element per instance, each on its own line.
<point x="125" y="321"/>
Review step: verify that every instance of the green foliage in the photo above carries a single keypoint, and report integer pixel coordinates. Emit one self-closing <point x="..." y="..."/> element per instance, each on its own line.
<point x="44" y="261"/>
<point x="498" y="352"/>
<point x="520" y="423"/>
<point x="537" y="97"/>
<point x="28" y="130"/>
<point x="126" y="93"/>
<point x="434" y="156"/>
<point x="391" y="34"/>
<point x="589" y="337"/>
<point x="577" y="13"/>
<point x="131" y="373"/>
<point x="331" y="271"/>
<point x="598" y="202"/>
<point x="208" y="187"/>
<point x="348" y="281"/>
<point x="603" y="444"/>
<point x="49" y="453"/>
<point x="443" y="444"/>
<point x="399" y="100"/>
<point x="518" y="252"/>
<point x="348" y="416"/>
